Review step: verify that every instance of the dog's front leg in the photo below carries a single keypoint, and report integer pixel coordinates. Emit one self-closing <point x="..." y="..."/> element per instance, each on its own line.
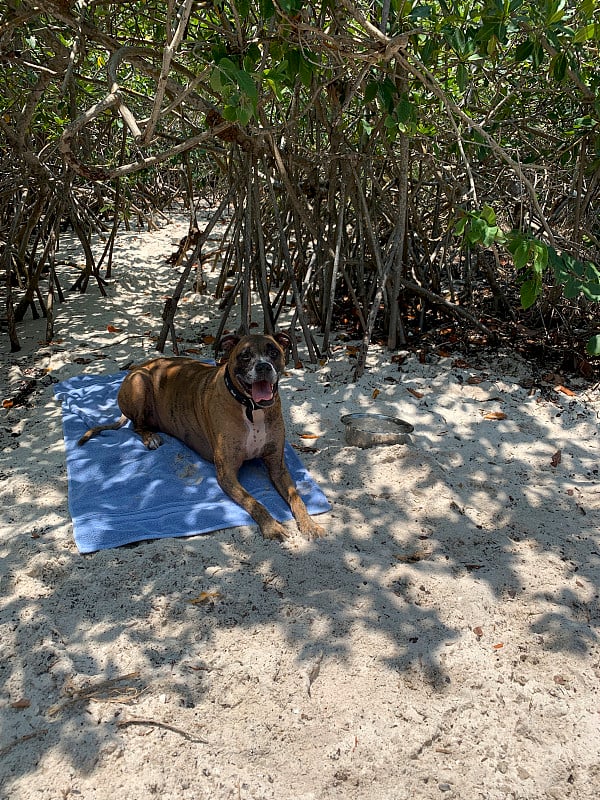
<point x="228" y="481"/>
<point x="283" y="482"/>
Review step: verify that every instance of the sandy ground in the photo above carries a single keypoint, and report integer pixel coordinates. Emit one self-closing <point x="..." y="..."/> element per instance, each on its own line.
<point x="442" y="641"/>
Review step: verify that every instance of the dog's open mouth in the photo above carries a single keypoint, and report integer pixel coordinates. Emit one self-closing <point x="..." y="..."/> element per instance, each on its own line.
<point x="262" y="392"/>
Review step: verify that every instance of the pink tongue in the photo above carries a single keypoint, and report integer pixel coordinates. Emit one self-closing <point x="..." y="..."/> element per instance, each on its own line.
<point x="261" y="391"/>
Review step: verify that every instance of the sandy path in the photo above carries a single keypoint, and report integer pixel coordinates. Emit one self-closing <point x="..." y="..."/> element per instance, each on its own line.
<point x="441" y="642"/>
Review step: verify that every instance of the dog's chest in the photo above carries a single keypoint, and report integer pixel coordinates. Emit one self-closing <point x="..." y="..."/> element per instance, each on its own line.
<point x="256" y="435"/>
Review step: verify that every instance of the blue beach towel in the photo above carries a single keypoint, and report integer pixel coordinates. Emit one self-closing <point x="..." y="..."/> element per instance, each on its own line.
<point x="120" y="492"/>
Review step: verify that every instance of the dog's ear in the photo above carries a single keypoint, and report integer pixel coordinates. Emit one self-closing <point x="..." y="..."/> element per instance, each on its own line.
<point x="228" y="342"/>
<point x="283" y="340"/>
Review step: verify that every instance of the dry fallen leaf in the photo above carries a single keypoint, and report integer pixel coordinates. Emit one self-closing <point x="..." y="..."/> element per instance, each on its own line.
<point x="22" y="703"/>
<point x="308" y="435"/>
<point x="375" y="394"/>
<point x="7" y="403"/>
<point x="564" y="390"/>
<point x="473" y="380"/>
<point x="206" y="597"/>
<point x="415" y="393"/>
<point x="411" y="558"/>
<point x="495" y="415"/>
<point x="556" y="458"/>
<point x="313" y="673"/>
<point x="478" y="631"/>
<point x="305" y="449"/>
<point x="112" y="329"/>
<point x="560" y="680"/>
<point x="498" y="646"/>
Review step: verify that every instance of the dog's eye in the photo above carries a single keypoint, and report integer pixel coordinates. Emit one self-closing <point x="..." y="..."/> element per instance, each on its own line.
<point x="245" y="356"/>
<point x="273" y="352"/>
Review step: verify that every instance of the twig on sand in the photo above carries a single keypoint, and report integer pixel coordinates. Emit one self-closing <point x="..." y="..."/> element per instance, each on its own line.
<point x="26" y="738"/>
<point x="152" y="723"/>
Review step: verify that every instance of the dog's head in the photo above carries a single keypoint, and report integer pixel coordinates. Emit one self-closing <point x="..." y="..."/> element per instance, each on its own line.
<point x="255" y="364"/>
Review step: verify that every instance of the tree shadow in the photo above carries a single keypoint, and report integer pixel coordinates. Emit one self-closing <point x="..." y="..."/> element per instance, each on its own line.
<point x="403" y="520"/>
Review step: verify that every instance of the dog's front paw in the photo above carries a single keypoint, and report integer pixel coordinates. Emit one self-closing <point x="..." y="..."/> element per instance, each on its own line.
<point x="312" y="530"/>
<point x="274" y="530"/>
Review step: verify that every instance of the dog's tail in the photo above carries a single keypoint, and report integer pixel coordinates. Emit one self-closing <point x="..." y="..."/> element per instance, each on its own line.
<point x="113" y="426"/>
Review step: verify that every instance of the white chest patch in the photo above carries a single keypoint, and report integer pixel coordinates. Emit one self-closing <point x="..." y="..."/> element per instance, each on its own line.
<point x="256" y="436"/>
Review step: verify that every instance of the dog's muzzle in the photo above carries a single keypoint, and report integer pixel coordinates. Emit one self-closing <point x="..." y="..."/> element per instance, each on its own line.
<point x="260" y="393"/>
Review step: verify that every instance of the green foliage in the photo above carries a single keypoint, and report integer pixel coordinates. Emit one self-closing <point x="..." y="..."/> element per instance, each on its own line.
<point x="593" y="345"/>
<point x="315" y="76"/>
<point x="532" y="257"/>
<point x="479" y="228"/>
<point x="237" y="90"/>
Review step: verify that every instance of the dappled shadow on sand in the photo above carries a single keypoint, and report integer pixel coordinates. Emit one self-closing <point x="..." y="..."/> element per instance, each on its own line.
<point x="405" y="522"/>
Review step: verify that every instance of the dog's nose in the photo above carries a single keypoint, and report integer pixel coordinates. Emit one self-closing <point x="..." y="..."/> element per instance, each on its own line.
<point x="264" y="367"/>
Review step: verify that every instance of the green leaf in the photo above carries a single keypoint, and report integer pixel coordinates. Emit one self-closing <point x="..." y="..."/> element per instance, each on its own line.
<point x="571" y="288"/>
<point x="247" y="85"/>
<point x="267" y="8"/>
<point x="230" y="113"/>
<point x="370" y="92"/>
<point x="215" y="81"/>
<point x="252" y="56"/>
<point x="488" y="214"/>
<point x="524" y="50"/>
<point x="477" y="231"/>
<point x="588" y="32"/>
<point x="387" y="94"/>
<point x="462" y="76"/>
<point x="365" y="127"/>
<point x="591" y="291"/>
<point x="228" y="68"/>
<point x="540" y="256"/>
<point x="244" y="115"/>
<point x="490" y="235"/>
<point x="530" y="291"/>
<point x="305" y="70"/>
<point x="421" y="12"/>
<point x="291" y="6"/>
<point x="557" y="265"/>
<point x="593" y="345"/>
<point x="539" y="54"/>
<point x="558" y="67"/>
<point x="521" y="254"/>
<point x="460" y="226"/>
<point x="405" y="111"/>
<point x="592" y="273"/>
<point x="556" y="14"/>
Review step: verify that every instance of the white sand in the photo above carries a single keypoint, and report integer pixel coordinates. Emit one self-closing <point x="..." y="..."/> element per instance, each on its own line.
<point x="442" y="641"/>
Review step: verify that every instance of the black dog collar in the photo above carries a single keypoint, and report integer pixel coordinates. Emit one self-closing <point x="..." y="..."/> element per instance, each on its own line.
<point x="243" y="398"/>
